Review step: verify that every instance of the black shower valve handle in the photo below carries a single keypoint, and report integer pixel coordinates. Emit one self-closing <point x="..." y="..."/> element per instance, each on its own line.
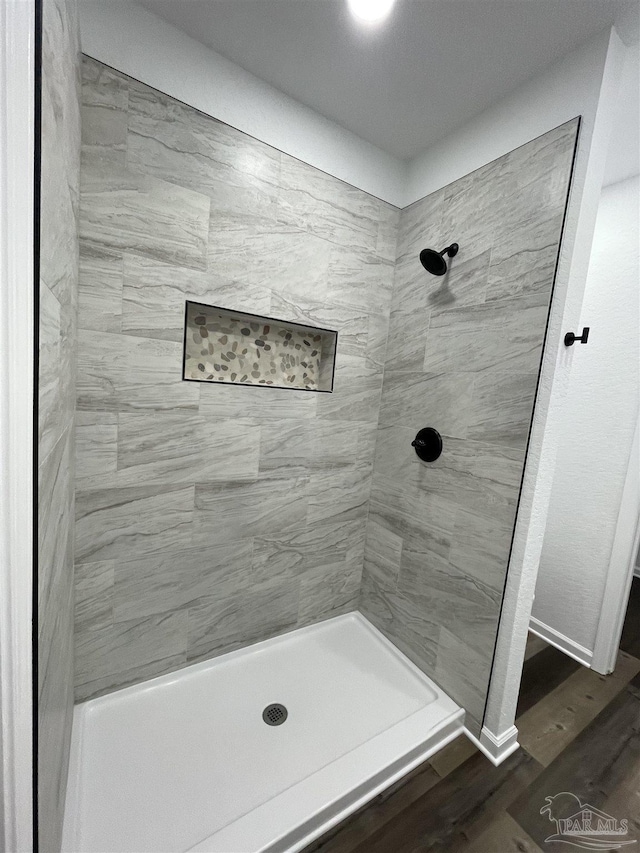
<point x="570" y="338"/>
<point x="428" y="444"/>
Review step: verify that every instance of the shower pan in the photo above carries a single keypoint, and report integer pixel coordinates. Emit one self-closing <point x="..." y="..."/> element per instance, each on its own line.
<point x="185" y="762"/>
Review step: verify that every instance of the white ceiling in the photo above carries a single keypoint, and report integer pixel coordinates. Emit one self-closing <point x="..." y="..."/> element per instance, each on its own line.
<point x="429" y="68"/>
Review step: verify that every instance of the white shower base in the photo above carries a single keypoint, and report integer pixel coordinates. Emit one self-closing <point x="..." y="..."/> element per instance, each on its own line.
<point x="185" y="762"/>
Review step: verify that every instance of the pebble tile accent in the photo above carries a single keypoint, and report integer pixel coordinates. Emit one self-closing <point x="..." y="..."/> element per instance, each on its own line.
<point x="224" y="346"/>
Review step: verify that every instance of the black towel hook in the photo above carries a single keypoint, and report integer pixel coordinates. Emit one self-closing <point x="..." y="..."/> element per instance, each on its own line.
<point x="570" y="338"/>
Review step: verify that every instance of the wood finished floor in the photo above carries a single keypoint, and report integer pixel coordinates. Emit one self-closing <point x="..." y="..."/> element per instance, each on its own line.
<point x="579" y="732"/>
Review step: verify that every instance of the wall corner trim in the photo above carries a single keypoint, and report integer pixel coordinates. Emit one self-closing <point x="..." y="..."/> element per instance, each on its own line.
<point x="496" y="748"/>
<point x="560" y="641"/>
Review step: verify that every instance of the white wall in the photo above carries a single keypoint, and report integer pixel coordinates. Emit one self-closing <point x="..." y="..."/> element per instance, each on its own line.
<point x="623" y="157"/>
<point x="597" y="429"/>
<point x="566" y="89"/>
<point x="131" y="39"/>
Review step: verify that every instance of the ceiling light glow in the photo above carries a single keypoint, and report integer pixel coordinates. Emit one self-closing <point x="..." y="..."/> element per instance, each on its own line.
<point x="370" y="11"/>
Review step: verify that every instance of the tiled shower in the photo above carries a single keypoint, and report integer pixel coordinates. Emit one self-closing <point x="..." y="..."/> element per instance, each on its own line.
<point x="211" y="515"/>
<point x="208" y="515"/>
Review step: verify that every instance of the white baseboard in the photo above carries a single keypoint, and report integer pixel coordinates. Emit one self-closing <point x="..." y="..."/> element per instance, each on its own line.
<point x="555" y="638"/>
<point x="495" y="748"/>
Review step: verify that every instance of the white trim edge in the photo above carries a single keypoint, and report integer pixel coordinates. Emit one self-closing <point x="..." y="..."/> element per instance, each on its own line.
<point x="496" y="749"/>
<point x="17" y="129"/>
<point x="622" y="567"/>
<point x="560" y="641"/>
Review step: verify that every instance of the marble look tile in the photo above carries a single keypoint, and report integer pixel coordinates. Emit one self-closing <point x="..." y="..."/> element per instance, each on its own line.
<point x="468" y="607"/>
<point x="326" y="206"/>
<point x="478" y="476"/>
<point x="338" y="494"/>
<point x="409" y="317"/>
<point x="91" y="689"/>
<point x="352" y="326"/>
<point x="58" y="284"/>
<point x="55" y="632"/>
<point x="424" y="522"/>
<point x="220" y="624"/>
<point x="61" y="62"/>
<point x="127" y="211"/>
<point x="228" y="511"/>
<point x="505" y="335"/>
<point x="59" y="180"/>
<point x="367" y="435"/>
<point x="481" y="544"/>
<point x="540" y="172"/>
<point x="421" y="226"/>
<point x="176" y="143"/>
<point x="124" y="373"/>
<point x="289" y="555"/>
<point x="55" y="716"/>
<point x="356" y="390"/>
<point x="336" y="444"/>
<point x="181" y="447"/>
<point x="285" y="448"/>
<point x="465" y="283"/>
<point x="526" y="262"/>
<point x="284" y="258"/>
<point x="377" y="334"/>
<point x="424" y="399"/>
<point x="96" y="446"/>
<point x="100" y="290"/>
<point x="463" y="673"/>
<point x="382" y="553"/>
<point x="407" y="621"/>
<point x="55" y="514"/>
<point x="387" y="242"/>
<point x="501" y="407"/>
<point x="140" y="521"/>
<point x="94" y="595"/>
<point x="463" y="354"/>
<point x="407" y="340"/>
<point x="127" y="652"/>
<point x="411" y="286"/>
<point x="326" y="592"/>
<point x="359" y="279"/>
<point x="180" y="577"/>
<point x="476" y="210"/>
<point x="154" y="296"/>
<point x="105" y="99"/>
<point x="53" y="411"/>
<point x="264" y="404"/>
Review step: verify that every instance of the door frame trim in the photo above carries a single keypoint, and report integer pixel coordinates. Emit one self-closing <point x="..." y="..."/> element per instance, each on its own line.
<point x="18" y="74"/>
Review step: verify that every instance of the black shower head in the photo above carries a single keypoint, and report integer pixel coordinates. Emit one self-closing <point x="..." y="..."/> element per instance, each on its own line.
<point x="434" y="262"/>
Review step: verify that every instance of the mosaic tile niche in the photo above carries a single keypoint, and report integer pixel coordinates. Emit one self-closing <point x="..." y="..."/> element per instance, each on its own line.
<point x="245" y="349"/>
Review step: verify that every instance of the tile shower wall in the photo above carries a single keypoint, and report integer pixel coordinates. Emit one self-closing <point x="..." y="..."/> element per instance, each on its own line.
<point x="210" y="516"/>
<point x="58" y="305"/>
<point x="463" y="356"/>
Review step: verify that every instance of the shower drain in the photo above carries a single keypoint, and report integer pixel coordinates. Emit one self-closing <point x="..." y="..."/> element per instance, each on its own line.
<point x="275" y="715"/>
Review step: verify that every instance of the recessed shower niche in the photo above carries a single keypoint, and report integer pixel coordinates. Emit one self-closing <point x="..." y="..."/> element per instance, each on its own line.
<point x="221" y="345"/>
